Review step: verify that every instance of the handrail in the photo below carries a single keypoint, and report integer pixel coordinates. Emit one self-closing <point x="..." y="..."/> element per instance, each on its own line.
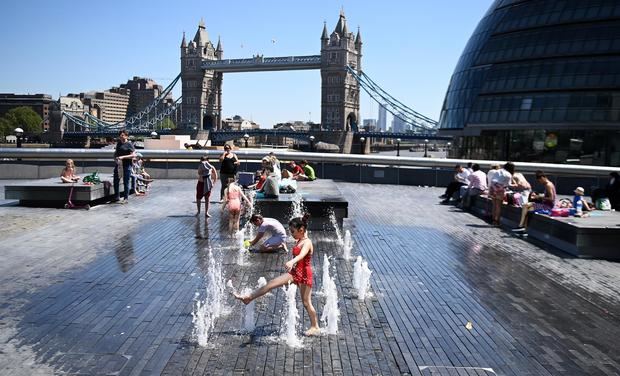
<point x="356" y="159"/>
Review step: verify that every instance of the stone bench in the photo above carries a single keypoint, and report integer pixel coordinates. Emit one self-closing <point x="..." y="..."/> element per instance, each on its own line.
<point x="596" y="236"/>
<point x="53" y="193"/>
<point x="319" y="198"/>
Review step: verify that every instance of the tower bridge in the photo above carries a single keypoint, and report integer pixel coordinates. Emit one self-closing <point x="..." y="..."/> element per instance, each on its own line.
<point x="263" y="64"/>
<point x="203" y="66"/>
<point x="202" y="73"/>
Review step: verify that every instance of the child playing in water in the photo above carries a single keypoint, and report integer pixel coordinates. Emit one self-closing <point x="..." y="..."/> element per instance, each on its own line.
<point x="232" y="200"/>
<point x="299" y="272"/>
<point x="68" y="173"/>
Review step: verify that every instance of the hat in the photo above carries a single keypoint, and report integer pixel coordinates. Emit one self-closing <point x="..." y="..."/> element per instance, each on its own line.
<point x="579" y="191"/>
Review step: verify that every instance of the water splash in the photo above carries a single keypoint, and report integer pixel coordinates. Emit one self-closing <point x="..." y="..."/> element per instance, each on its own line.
<point x="297" y="206"/>
<point x="242" y="252"/>
<point x="249" y="321"/>
<point x="207" y="310"/>
<point x="261" y="282"/>
<point x="334" y="223"/>
<point x="247" y="227"/>
<point x="291" y="317"/>
<point x="325" y="277"/>
<point x="331" y="313"/>
<point x="361" y="278"/>
<point x="347" y="245"/>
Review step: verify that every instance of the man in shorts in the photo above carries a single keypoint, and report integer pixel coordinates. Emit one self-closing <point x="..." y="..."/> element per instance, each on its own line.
<point x="275" y="242"/>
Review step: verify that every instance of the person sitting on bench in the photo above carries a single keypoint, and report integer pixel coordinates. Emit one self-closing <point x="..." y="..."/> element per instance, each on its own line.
<point x="295" y="171"/>
<point x="271" y="187"/>
<point x="68" y="173"/>
<point x="275" y="242"/>
<point x="308" y="174"/>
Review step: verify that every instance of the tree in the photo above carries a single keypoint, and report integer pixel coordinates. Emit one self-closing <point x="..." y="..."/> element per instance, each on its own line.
<point x="5" y="127"/>
<point x="25" y="118"/>
<point x="166" y="123"/>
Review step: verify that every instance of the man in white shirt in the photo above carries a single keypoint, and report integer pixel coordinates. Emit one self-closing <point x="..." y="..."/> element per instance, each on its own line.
<point x="460" y="179"/>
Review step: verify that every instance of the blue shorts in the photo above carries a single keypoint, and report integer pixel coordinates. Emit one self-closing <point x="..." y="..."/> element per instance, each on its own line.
<point x="275" y="241"/>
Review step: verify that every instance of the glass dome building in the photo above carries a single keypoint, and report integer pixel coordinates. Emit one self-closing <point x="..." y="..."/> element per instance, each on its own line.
<point x="539" y="80"/>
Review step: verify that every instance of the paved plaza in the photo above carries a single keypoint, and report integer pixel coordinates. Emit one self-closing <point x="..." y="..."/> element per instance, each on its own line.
<point x="111" y="291"/>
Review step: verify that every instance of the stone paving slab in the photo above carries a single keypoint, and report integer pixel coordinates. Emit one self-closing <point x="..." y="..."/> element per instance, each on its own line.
<point x="111" y="291"/>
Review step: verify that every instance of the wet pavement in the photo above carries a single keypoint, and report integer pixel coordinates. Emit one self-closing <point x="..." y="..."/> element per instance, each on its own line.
<point x="111" y="291"/>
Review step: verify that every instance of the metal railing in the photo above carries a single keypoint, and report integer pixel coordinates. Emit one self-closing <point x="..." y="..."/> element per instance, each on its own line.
<point x="315" y="158"/>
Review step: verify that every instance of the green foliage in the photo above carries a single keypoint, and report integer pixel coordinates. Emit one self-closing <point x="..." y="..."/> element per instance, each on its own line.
<point x="5" y="128"/>
<point x="166" y="123"/>
<point x="21" y="117"/>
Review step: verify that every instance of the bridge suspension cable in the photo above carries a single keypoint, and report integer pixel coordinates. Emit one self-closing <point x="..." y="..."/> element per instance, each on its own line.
<point x="393" y="105"/>
<point x="91" y="122"/>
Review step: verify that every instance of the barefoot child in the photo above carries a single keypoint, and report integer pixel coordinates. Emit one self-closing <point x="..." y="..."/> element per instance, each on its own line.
<point x="232" y="200"/>
<point x="299" y="272"/>
<point x="207" y="175"/>
<point x="68" y="173"/>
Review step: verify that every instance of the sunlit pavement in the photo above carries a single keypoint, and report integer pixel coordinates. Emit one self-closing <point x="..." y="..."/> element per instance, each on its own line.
<point x="111" y="291"/>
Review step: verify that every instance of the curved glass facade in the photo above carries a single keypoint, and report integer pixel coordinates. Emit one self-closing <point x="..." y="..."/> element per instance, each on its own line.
<point x="535" y="71"/>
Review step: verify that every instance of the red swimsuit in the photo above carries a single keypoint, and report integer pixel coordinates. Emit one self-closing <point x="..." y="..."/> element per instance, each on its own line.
<point x="302" y="271"/>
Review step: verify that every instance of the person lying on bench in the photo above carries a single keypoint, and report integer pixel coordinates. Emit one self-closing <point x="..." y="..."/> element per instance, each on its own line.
<point x="272" y="226"/>
<point x="68" y="173"/>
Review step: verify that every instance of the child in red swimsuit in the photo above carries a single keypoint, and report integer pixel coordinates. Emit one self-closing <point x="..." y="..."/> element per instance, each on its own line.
<point x="299" y="272"/>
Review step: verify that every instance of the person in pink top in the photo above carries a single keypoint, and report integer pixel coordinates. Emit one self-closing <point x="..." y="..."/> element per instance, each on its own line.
<point x="232" y="200"/>
<point x="477" y="186"/>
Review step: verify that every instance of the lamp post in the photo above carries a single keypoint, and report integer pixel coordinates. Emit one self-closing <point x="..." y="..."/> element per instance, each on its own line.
<point x="311" y="143"/>
<point x="398" y="147"/>
<point x="246" y="137"/>
<point x="426" y="148"/>
<point x="153" y="135"/>
<point x="362" y="144"/>
<point x="18" y="135"/>
<point x="448" y="149"/>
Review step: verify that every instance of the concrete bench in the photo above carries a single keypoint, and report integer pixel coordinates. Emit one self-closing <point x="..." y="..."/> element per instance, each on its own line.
<point x="52" y="192"/>
<point x="596" y="236"/>
<point x="319" y="198"/>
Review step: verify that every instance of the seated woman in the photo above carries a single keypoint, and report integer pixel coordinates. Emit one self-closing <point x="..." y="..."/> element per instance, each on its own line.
<point x="271" y="187"/>
<point x="232" y="200"/>
<point x="68" y="173"/>
<point x="544" y="202"/>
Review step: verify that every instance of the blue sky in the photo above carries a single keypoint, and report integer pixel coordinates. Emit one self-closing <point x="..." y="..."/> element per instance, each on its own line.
<point x="410" y="47"/>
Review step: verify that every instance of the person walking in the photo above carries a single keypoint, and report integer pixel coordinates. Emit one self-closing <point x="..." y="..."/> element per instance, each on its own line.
<point x="228" y="168"/>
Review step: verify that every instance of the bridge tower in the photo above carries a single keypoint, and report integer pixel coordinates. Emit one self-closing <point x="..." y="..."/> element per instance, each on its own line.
<point x="340" y="91"/>
<point x="202" y="89"/>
